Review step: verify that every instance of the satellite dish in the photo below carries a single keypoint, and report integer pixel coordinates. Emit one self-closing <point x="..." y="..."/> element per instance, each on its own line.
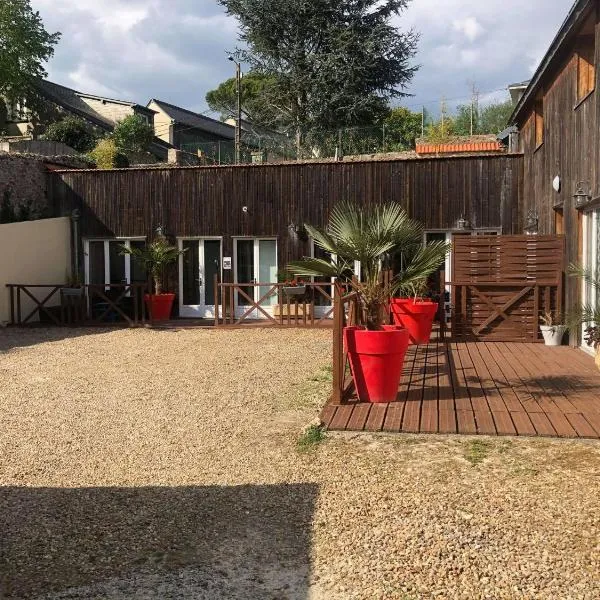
<point x="556" y="183"/>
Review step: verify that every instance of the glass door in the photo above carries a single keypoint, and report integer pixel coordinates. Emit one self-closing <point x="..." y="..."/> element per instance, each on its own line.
<point x="591" y="261"/>
<point x="197" y="269"/>
<point x="255" y="262"/>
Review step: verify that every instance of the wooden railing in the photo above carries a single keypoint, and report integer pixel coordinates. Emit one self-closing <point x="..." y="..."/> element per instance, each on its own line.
<point x="287" y="310"/>
<point x="509" y="311"/>
<point x="91" y="303"/>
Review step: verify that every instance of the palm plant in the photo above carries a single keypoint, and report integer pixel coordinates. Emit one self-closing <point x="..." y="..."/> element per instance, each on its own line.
<point x="154" y="258"/>
<point x="370" y="236"/>
<point x="588" y="314"/>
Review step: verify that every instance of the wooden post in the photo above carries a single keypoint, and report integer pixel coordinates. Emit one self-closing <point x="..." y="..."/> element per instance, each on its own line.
<point x="216" y="284"/>
<point x="12" y="304"/>
<point x="19" y="316"/>
<point x="536" y="312"/>
<point x="338" y="346"/>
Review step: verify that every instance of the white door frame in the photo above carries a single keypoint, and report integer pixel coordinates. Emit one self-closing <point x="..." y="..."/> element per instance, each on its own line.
<point x="591" y="235"/>
<point x="126" y="241"/>
<point x="240" y="309"/>
<point x="203" y="310"/>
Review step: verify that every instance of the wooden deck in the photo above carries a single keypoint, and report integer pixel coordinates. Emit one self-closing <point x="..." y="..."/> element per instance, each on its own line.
<point x="487" y="388"/>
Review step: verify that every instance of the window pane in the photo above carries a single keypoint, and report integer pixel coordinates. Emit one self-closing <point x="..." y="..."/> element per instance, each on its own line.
<point x="117" y="263"/>
<point x="245" y="268"/>
<point x="212" y="266"/>
<point x="96" y="261"/>
<point x="267" y="255"/>
<point x="191" y="273"/>
<point x="138" y="273"/>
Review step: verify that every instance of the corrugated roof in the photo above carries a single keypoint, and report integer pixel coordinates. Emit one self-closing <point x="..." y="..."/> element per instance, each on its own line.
<point x="183" y="116"/>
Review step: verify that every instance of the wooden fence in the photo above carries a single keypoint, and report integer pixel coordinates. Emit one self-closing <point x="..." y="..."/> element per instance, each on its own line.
<point x="502" y="285"/>
<point x="92" y="303"/>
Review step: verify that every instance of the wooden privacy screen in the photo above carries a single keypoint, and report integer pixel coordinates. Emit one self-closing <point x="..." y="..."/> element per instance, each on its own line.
<point x="502" y="285"/>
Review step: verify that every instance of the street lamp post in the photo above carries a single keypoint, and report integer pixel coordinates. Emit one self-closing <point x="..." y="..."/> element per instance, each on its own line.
<point x="238" y="115"/>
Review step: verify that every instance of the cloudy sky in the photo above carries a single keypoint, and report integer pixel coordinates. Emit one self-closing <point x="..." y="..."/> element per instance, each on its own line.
<point x="175" y="50"/>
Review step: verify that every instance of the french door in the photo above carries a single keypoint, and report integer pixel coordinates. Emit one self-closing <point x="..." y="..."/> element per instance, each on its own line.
<point x="198" y="266"/>
<point x="591" y="259"/>
<point x="255" y="262"/>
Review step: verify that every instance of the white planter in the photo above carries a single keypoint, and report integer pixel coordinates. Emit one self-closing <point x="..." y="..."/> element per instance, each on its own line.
<point x="553" y="334"/>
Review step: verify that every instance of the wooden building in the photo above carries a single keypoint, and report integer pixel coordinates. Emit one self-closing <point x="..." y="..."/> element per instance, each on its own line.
<point x="559" y="121"/>
<point x="245" y="223"/>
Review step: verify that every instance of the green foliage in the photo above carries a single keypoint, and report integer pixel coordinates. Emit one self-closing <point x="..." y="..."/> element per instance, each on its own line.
<point x="494" y="117"/>
<point x="24" y="46"/>
<point x="154" y="258"/>
<point x="333" y="63"/>
<point x="257" y="99"/>
<point x="74" y="132"/>
<point x="403" y="127"/>
<point x="106" y="155"/>
<point x="133" y="134"/>
<point x="588" y="314"/>
<point x="477" y="451"/>
<point x="371" y="235"/>
<point x="311" y="438"/>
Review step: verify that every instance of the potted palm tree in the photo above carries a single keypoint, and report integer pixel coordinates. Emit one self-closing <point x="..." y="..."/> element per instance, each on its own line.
<point x="154" y="258"/>
<point x="369" y="235"/>
<point x="588" y="314"/>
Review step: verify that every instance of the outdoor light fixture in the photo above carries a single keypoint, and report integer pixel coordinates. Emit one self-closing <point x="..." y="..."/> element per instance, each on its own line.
<point x="297" y="230"/>
<point x="582" y="197"/>
<point x="159" y="231"/>
<point x="462" y="224"/>
<point x="531" y="223"/>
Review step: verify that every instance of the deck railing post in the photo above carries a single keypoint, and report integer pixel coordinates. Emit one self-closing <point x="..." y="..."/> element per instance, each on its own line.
<point x="19" y="316"/>
<point x="12" y="304"/>
<point x="216" y="284"/>
<point x="338" y="345"/>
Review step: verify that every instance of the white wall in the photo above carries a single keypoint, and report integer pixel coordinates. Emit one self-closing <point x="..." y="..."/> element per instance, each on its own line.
<point x="33" y="252"/>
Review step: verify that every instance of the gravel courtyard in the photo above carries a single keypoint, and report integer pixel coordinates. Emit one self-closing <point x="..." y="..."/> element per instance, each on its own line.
<point x="159" y="464"/>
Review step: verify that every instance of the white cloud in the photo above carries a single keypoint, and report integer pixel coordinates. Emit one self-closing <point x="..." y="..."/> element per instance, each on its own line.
<point x="469" y="27"/>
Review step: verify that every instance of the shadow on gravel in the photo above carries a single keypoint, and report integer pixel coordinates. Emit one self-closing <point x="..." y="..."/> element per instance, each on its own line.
<point x="215" y="543"/>
<point x="21" y="337"/>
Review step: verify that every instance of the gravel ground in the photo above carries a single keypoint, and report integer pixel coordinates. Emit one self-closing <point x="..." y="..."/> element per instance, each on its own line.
<point x="164" y="464"/>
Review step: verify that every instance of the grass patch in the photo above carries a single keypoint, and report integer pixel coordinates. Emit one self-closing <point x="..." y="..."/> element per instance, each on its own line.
<point x="477" y="451"/>
<point x="325" y="375"/>
<point x="311" y="438"/>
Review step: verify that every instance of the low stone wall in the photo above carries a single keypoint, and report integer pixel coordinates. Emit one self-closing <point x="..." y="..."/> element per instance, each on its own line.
<point x="22" y="187"/>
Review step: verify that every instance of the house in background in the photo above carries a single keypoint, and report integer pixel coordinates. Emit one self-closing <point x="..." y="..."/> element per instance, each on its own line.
<point x="193" y="132"/>
<point x="99" y="112"/>
<point x="558" y="117"/>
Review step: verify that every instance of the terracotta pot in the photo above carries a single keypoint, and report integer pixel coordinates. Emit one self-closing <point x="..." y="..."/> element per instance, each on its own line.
<point x="376" y="361"/>
<point x="416" y="316"/>
<point x="159" y="306"/>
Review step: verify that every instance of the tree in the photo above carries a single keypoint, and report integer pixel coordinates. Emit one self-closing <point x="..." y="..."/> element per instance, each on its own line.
<point x="106" y="155"/>
<point x="334" y="63"/>
<point x="462" y="120"/>
<point x="403" y="127"/>
<point x="257" y="90"/>
<point x="74" y="132"/>
<point x="133" y="134"/>
<point x="495" y="116"/>
<point x="24" y="46"/>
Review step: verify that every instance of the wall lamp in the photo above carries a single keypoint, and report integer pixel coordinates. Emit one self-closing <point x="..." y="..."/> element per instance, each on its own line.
<point x="582" y="197"/>
<point x="462" y="224"/>
<point x="159" y="231"/>
<point x="531" y="223"/>
<point x="297" y="231"/>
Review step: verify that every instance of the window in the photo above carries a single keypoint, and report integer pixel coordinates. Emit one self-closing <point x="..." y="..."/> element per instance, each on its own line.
<point x="16" y="111"/>
<point x="105" y="265"/>
<point x="539" y="123"/>
<point x="586" y="71"/>
<point x="559" y="227"/>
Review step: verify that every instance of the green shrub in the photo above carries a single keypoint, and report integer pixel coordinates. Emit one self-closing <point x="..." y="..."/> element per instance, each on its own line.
<point x="133" y="134"/>
<point x="106" y="155"/>
<point x="74" y="132"/>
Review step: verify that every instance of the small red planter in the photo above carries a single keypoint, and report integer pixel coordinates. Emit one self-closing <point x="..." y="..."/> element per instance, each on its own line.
<point x="159" y="306"/>
<point x="376" y="361"/>
<point x="417" y="317"/>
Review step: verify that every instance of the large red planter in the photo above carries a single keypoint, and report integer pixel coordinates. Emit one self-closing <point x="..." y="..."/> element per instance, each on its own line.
<point x="376" y="361"/>
<point x="417" y="317"/>
<point x="159" y="306"/>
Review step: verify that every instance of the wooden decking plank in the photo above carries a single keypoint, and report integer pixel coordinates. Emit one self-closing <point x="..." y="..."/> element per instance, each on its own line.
<point x="494" y="398"/>
<point x="542" y="425"/>
<point x="393" y="417"/>
<point x="407" y="372"/>
<point x="503" y="422"/>
<point x="376" y="417"/>
<point x="466" y="422"/>
<point x="593" y="418"/>
<point x="341" y="417"/>
<point x="462" y="399"/>
<point x="429" y="410"/>
<point x="327" y="414"/>
<point x="522" y="423"/>
<point x="445" y="384"/>
<point x="359" y="417"/>
<point x="485" y="422"/>
<point x="414" y="397"/>
<point x="447" y="421"/>
<point x="581" y="426"/>
<point x="561" y="425"/>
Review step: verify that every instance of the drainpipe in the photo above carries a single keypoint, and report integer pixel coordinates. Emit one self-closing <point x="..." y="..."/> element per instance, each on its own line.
<point x="75" y="215"/>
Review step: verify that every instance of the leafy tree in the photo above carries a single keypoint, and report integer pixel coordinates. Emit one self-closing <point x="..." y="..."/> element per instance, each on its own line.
<point x="334" y="63"/>
<point x="495" y="116"/>
<point x="462" y="120"/>
<point x="257" y="90"/>
<point x="106" y="155"/>
<point x="403" y="127"/>
<point x="74" y="132"/>
<point x="24" y="46"/>
<point x="133" y="134"/>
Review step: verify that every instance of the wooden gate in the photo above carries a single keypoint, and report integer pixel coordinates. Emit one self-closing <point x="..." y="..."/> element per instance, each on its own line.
<point x="503" y="285"/>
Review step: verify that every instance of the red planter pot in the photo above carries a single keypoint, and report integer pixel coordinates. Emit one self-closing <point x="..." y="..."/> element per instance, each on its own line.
<point x="159" y="306"/>
<point x="417" y="317"/>
<point x="376" y="361"/>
